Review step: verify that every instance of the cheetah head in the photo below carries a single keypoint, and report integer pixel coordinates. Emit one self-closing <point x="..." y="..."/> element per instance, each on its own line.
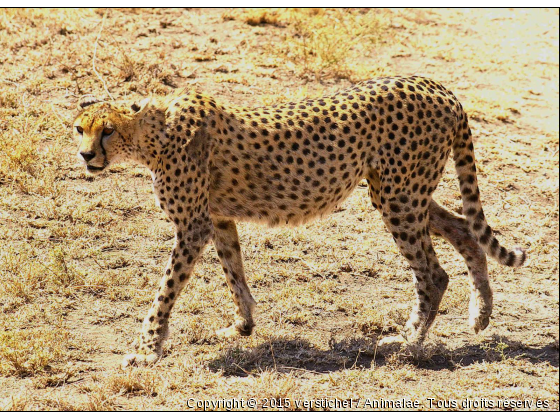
<point x="104" y="132"/>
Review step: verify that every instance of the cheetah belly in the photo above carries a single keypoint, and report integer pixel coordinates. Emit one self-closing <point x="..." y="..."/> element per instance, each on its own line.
<point x="279" y="192"/>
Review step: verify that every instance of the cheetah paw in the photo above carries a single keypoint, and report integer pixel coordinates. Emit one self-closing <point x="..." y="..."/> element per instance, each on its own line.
<point x="227" y="332"/>
<point x="479" y="321"/>
<point x="234" y="331"/>
<point x="479" y="313"/>
<point x="135" y="359"/>
<point x="391" y="344"/>
<point x="399" y="344"/>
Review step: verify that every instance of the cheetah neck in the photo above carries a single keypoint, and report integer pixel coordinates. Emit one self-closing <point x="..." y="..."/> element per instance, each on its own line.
<point x="149" y="138"/>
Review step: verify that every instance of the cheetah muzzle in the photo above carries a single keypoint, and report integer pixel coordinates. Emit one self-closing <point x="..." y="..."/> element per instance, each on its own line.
<point x="214" y="164"/>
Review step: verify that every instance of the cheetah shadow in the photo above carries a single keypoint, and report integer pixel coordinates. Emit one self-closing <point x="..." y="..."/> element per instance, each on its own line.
<point x="298" y="354"/>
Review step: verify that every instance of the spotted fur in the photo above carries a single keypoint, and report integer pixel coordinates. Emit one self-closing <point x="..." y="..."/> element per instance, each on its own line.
<point x="214" y="164"/>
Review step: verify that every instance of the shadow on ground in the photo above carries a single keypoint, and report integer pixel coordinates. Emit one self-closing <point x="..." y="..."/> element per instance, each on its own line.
<point x="299" y="354"/>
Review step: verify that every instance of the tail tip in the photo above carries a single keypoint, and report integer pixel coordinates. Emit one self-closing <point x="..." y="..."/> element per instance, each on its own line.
<point x="518" y="257"/>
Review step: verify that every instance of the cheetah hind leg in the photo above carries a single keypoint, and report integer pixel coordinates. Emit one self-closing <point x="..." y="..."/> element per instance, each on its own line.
<point x="226" y="242"/>
<point x="409" y="228"/>
<point x="391" y="343"/>
<point x="455" y="230"/>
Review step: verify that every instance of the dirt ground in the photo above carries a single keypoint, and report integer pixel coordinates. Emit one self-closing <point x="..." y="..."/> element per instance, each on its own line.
<point x="81" y="257"/>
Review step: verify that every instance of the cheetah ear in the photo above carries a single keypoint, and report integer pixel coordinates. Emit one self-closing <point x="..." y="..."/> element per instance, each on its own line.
<point x="86" y="101"/>
<point x="139" y="107"/>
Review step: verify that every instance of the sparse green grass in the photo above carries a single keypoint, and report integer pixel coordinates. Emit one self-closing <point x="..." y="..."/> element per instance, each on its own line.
<point x="80" y="257"/>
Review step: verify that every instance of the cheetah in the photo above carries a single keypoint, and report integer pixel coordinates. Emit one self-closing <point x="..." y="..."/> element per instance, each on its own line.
<point x="214" y="164"/>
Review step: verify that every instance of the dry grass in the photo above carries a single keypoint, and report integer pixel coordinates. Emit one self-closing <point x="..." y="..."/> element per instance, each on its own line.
<point x="30" y="352"/>
<point x="80" y="257"/>
<point x="322" y="43"/>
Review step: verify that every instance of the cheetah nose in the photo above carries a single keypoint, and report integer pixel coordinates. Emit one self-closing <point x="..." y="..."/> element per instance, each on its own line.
<point x="87" y="155"/>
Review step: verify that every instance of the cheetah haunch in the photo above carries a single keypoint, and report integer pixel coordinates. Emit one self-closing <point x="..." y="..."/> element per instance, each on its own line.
<point x="214" y="164"/>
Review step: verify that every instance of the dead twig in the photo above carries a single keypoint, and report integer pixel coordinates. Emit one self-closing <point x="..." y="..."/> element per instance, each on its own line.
<point x="58" y="117"/>
<point x="311" y="268"/>
<point x="95" y="55"/>
<point x="239" y="367"/>
<point x="272" y="351"/>
<point x="10" y="82"/>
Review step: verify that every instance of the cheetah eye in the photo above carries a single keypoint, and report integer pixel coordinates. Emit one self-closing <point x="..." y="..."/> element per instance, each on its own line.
<point x="107" y="131"/>
<point x="79" y="129"/>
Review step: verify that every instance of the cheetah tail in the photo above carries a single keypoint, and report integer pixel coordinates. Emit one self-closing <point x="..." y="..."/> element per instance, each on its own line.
<point x="463" y="155"/>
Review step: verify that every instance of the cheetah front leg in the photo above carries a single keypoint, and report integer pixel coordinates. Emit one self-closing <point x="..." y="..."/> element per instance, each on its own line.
<point x="226" y="241"/>
<point x="189" y="244"/>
